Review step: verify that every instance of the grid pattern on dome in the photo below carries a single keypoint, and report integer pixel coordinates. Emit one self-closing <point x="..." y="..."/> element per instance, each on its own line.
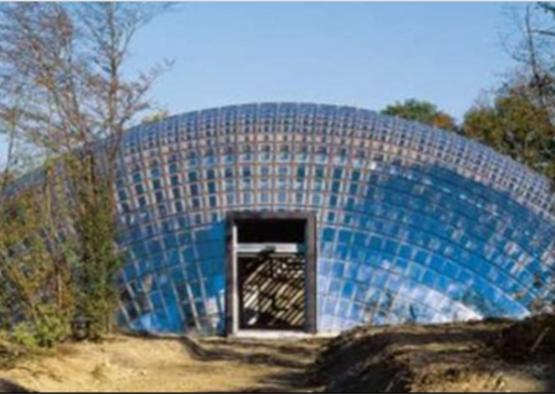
<point x="414" y="223"/>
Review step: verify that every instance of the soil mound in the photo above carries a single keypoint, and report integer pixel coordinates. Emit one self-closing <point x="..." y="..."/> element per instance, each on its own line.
<point x="7" y="386"/>
<point x="530" y="339"/>
<point x="456" y="357"/>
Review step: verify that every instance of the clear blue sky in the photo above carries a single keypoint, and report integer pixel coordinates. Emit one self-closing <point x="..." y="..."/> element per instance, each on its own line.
<point x="362" y="54"/>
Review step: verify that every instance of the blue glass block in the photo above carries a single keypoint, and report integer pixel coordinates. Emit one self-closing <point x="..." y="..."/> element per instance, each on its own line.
<point x="344" y="236"/>
<point x="328" y="234"/>
<point x="329" y="306"/>
<point x="343" y="309"/>
<point x="348" y="290"/>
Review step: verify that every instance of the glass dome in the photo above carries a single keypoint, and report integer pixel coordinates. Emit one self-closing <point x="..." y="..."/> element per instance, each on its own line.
<point x="413" y="223"/>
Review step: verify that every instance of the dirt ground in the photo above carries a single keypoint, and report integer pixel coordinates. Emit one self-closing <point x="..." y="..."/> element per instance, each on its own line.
<point x="452" y="357"/>
<point x="124" y="363"/>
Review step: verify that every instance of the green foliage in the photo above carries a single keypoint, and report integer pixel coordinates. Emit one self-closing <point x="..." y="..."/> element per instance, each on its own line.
<point x="421" y="111"/>
<point x="99" y="258"/>
<point x="58" y="257"/>
<point x="156" y="116"/>
<point x="36" y="290"/>
<point x="516" y="126"/>
<point x="50" y="328"/>
<point x="24" y="334"/>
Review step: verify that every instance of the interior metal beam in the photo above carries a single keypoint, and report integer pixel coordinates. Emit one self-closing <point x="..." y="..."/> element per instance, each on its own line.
<point x="270" y="248"/>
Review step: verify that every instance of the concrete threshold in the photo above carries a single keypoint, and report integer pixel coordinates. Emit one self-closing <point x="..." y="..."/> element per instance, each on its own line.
<point x="241" y="334"/>
<point x="281" y="334"/>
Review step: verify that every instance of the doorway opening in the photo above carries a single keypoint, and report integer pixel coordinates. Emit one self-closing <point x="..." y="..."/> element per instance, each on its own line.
<point x="271" y="271"/>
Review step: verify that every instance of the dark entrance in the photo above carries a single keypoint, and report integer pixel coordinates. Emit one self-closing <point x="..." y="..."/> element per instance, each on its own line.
<point x="271" y="271"/>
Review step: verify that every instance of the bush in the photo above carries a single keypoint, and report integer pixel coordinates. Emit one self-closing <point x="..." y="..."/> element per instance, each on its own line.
<point x="45" y="331"/>
<point x="51" y="327"/>
<point x="24" y="334"/>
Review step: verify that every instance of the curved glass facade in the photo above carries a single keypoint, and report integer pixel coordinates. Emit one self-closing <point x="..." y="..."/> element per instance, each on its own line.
<point x="413" y="223"/>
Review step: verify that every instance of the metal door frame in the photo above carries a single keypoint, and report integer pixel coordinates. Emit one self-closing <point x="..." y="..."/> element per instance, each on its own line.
<point x="232" y="296"/>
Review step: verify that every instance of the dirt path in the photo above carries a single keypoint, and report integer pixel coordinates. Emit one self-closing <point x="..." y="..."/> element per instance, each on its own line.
<point x="137" y="364"/>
